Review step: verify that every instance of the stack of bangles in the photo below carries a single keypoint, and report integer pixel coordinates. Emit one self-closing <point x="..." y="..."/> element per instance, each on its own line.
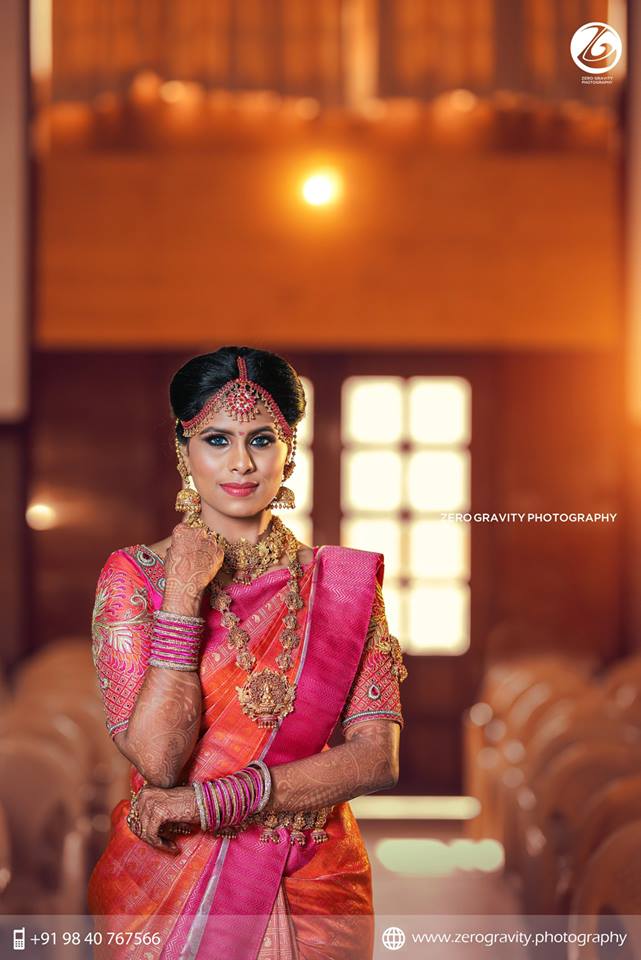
<point x="175" y="641"/>
<point x="224" y="804"/>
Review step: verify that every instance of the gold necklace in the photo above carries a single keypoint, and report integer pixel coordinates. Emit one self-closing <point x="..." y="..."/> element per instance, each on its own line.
<point x="266" y="696"/>
<point x="245" y="561"/>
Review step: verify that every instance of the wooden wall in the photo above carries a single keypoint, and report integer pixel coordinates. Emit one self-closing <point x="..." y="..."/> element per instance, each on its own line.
<point x="494" y="250"/>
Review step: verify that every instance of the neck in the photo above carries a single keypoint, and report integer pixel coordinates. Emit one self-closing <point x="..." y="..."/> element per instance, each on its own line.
<point x="233" y="528"/>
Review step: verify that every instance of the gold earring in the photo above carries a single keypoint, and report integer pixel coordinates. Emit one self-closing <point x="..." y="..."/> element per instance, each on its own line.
<point x="188" y="499"/>
<point x="285" y="498"/>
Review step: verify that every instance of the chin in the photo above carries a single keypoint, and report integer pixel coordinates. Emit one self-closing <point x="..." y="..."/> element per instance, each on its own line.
<point x="241" y="508"/>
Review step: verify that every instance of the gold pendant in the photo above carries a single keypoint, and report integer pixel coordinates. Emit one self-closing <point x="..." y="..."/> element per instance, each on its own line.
<point x="267" y="697"/>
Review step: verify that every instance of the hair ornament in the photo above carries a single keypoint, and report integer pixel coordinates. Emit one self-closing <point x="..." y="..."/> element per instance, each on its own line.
<point x="239" y="398"/>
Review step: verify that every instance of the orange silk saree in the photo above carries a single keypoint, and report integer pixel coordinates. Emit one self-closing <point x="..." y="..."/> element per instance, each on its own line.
<point x="239" y="898"/>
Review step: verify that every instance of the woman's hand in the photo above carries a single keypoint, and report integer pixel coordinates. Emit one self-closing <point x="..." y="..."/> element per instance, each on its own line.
<point x="159" y="808"/>
<point x="193" y="559"/>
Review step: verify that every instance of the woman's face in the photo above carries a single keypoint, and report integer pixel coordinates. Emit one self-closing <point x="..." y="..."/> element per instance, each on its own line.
<point x="237" y="467"/>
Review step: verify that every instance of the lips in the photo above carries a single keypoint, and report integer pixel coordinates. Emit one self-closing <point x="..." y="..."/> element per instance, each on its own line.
<point x="239" y="489"/>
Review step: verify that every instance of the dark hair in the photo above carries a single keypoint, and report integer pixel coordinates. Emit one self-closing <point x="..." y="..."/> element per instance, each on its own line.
<point x="202" y="376"/>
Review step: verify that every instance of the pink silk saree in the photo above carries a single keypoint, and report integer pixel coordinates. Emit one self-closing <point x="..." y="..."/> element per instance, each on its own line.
<point x="239" y="898"/>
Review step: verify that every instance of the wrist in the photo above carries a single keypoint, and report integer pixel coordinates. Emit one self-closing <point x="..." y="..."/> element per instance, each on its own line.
<point x="180" y="604"/>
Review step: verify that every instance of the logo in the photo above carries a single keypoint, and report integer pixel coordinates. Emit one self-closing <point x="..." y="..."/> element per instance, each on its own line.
<point x="393" y="938"/>
<point x="596" y="47"/>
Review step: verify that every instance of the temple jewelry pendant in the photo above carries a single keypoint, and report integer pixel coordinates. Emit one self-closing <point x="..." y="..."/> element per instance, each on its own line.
<point x="266" y="697"/>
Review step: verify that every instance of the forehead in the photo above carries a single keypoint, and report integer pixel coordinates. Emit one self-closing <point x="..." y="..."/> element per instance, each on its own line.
<point x="223" y="421"/>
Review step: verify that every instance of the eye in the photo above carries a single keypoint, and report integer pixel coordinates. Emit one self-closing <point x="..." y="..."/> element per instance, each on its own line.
<point x="264" y="438"/>
<point x="214" y="437"/>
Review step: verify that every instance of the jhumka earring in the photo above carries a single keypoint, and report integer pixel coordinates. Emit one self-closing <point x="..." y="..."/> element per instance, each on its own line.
<point x="188" y="499"/>
<point x="285" y="499"/>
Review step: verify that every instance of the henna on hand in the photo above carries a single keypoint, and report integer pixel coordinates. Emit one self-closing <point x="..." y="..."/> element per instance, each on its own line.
<point x="158" y="809"/>
<point x="192" y="561"/>
<point x="365" y="763"/>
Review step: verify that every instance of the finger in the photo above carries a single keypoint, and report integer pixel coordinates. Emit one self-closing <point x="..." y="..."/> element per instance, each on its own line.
<point x="160" y="844"/>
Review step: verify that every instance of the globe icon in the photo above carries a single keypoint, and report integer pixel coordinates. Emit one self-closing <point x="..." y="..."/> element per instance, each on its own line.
<point x="393" y="938"/>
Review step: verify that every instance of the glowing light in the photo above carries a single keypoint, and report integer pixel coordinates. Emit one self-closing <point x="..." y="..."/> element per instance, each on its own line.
<point x="415" y="808"/>
<point x="41" y="516"/>
<point x="41" y="38"/>
<point x="481" y="713"/>
<point x="322" y="188"/>
<point x="172" y="91"/>
<point x="429" y="857"/>
<point x="463" y="100"/>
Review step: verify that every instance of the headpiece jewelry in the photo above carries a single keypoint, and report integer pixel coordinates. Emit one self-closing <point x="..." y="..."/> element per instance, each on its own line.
<point x="240" y="398"/>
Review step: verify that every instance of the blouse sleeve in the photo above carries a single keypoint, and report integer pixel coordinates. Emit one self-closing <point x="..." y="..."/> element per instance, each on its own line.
<point x="121" y="636"/>
<point x="376" y="688"/>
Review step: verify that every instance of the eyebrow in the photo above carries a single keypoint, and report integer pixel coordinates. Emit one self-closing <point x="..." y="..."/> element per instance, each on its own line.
<point x="230" y="433"/>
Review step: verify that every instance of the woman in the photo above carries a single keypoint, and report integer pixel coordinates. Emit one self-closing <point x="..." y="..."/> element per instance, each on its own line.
<point x="226" y="654"/>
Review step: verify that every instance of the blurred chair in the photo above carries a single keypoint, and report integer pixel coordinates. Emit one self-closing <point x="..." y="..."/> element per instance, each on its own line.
<point x="5" y="853"/>
<point x="65" y="663"/>
<point x="548" y="824"/>
<point x="520" y="702"/>
<point x="611" y="807"/>
<point x="40" y="792"/>
<point x="621" y="686"/>
<point x="609" y="892"/>
<point x="109" y="769"/>
<point x="60" y="682"/>
<point x="566" y="724"/>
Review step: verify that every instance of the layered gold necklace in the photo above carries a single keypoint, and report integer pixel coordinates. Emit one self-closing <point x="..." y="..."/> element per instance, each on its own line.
<point x="266" y="696"/>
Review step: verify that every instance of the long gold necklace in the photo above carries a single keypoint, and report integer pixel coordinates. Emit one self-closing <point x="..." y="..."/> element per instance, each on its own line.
<point x="266" y="696"/>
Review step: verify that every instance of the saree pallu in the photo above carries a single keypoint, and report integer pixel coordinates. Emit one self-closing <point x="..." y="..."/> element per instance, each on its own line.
<point x="240" y="898"/>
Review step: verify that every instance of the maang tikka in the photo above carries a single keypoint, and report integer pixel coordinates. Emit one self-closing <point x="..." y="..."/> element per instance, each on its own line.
<point x="238" y="398"/>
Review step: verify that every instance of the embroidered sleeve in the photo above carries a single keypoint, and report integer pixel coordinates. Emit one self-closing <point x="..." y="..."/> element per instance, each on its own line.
<point x="376" y="688"/>
<point x="121" y="636"/>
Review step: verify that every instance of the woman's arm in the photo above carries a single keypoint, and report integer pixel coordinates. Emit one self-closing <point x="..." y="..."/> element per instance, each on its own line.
<point x="365" y="763"/>
<point x="164" y="724"/>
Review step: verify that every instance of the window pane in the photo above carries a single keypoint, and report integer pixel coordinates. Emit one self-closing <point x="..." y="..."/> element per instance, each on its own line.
<point x="372" y="410"/>
<point x="439" y="480"/>
<point x="440" y="410"/>
<point x="438" y="619"/>
<point x="305" y="429"/>
<point x="299" y="523"/>
<point x="372" y="533"/>
<point x="440" y="549"/>
<point x="301" y="480"/>
<point x="371" y="480"/>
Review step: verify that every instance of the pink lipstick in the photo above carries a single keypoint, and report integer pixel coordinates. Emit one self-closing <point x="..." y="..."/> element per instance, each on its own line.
<point x="239" y="489"/>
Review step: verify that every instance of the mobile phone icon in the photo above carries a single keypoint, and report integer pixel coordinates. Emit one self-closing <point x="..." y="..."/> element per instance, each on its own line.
<point x="18" y="938"/>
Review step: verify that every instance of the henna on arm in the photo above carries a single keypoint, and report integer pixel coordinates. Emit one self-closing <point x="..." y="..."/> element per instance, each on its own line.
<point x="164" y="725"/>
<point x="365" y="763"/>
<point x="165" y="722"/>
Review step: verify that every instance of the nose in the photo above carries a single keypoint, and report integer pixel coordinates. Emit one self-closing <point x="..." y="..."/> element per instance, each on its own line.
<point x="240" y="459"/>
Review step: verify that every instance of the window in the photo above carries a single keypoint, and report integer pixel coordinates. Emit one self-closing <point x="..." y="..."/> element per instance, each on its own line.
<point x="405" y="460"/>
